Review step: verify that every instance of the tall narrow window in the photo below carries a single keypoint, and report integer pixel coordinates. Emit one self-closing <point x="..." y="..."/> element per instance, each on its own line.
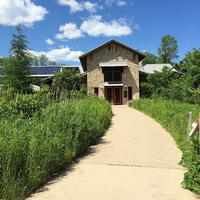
<point x="125" y="94"/>
<point x="96" y="91"/>
<point x="130" y="93"/>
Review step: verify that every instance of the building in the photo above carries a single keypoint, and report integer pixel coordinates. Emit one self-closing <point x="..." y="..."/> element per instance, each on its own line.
<point x="45" y="74"/>
<point x="112" y="71"/>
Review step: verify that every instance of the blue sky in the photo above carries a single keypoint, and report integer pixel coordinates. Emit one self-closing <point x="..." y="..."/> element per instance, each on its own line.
<point x="65" y="29"/>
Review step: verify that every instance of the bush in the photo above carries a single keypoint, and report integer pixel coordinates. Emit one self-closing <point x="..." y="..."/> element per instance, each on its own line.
<point x="13" y="103"/>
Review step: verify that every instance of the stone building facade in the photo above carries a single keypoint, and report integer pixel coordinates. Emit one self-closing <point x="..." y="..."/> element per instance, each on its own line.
<point x="112" y="71"/>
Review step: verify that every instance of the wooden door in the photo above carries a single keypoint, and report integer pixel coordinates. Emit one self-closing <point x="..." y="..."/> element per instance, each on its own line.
<point x="114" y="95"/>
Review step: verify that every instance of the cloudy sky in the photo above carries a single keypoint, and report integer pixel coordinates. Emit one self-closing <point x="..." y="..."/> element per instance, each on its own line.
<point x="65" y="29"/>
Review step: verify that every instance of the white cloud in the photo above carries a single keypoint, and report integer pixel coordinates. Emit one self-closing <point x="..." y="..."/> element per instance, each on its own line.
<point x="91" y="7"/>
<point x="76" y="6"/>
<point x="137" y="27"/>
<point x="109" y="3"/>
<point x="60" y="55"/>
<point x="70" y="31"/>
<point x="73" y="4"/>
<point x="13" y="12"/>
<point x="121" y="3"/>
<point x="94" y="26"/>
<point x="49" y="41"/>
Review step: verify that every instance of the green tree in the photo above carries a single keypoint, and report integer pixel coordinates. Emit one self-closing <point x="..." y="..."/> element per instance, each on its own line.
<point x="68" y="79"/>
<point x="3" y="61"/>
<point x="191" y="63"/>
<point x="150" y="58"/>
<point x="34" y="59"/>
<point x="52" y="63"/>
<point x="168" y="49"/>
<point x="16" y="70"/>
<point x="43" y="59"/>
<point x="159" y="83"/>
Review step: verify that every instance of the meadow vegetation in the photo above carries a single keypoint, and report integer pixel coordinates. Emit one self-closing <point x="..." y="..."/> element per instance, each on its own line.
<point x="171" y="114"/>
<point x="42" y="132"/>
<point x="175" y="94"/>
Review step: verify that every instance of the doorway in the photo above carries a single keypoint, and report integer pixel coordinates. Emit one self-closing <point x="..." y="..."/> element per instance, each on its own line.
<point x="114" y="95"/>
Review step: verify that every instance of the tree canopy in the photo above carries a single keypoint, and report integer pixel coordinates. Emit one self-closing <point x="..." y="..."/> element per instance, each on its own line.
<point x="68" y="79"/>
<point x="16" y="68"/>
<point x="41" y="60"/>
<point x="184" y="87"/>
<point x="191" y="63"/>
<point x="150" y="58"/>
<point x="168" y="50"/>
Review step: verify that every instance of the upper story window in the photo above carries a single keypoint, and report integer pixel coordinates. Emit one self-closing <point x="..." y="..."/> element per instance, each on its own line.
<point x="112" y="74"/>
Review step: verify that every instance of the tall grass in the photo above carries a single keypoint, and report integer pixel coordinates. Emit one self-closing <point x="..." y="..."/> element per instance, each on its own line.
<point x="171" y="115"/>
<point x="33" y="149"/>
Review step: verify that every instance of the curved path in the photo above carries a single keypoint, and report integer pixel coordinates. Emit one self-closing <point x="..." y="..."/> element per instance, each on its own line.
<point x="136" y="160"/>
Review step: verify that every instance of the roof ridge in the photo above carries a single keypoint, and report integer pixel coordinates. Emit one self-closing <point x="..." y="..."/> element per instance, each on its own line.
<point x="110" y="41"/>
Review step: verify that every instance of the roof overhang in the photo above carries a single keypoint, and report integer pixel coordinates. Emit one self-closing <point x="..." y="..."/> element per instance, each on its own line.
<point x="41" y="75"/>
<point x="113" y="64"/>
<point x="151" y="68"/>
<point x="107" y="84"/>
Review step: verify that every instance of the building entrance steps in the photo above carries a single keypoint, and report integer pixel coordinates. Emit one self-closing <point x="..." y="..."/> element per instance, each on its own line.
<point x="135" y="160"/>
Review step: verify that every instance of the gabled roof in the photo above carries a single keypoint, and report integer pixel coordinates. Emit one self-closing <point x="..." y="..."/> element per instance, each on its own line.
<point x="141" y="55"/>
<point x="150" y="68"/>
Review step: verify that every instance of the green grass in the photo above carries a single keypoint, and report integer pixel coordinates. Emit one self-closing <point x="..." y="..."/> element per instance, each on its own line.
<point x="171" y="115"/>
<point x="33" y="149"/>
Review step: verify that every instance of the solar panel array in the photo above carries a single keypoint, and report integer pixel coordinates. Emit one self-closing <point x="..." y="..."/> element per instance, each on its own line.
<point x="45" y="70"/>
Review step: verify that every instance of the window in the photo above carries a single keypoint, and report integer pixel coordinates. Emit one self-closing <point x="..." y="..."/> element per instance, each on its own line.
<point x="125" y="94"/>
<point x="113" y="76"/>
<point x="96" y="91"/>
<point x="130" y="94"/>
<point x="117" y="76"/>
<point x="108" y="76"/>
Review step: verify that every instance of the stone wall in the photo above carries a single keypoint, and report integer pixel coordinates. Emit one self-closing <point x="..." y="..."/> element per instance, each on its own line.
<point x="113" y="52"/>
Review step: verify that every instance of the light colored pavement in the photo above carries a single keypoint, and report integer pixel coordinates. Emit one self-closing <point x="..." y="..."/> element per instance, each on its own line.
<point x="136" y="160"/>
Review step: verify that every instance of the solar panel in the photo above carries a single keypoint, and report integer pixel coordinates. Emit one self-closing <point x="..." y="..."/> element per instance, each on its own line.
<point x="45" y="70"/>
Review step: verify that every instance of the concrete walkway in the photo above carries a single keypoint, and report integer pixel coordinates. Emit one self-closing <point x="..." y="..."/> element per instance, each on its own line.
<point x="137" y="160"/>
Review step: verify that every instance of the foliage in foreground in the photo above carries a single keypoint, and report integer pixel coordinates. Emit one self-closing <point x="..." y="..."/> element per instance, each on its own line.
<point x="171" y="115"/>
<point x="34" y="149"/>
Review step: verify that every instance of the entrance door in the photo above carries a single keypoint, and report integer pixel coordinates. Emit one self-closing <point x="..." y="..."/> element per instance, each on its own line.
<point x="114" y="95"/>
